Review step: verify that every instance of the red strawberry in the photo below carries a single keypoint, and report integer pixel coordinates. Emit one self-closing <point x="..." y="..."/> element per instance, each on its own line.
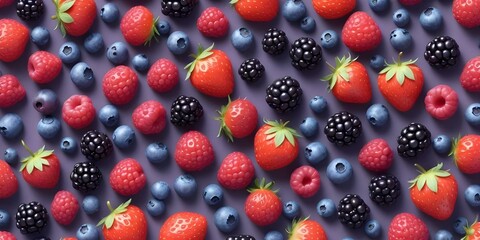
<point x="149" y="117"/>
<point x="4" y="3"/>
<point x="193" y="151"/>
<point x="127" y="177"/>
<point x="163" y="75"/>
<point x="44" y="67"/>
<point x="8" y="181"/>
<point x="441" y="102"/>
<point x="126" y="222"/>
<point x="306" y="229"/>
<point x="361" y="33"/>
<point x="256" y="10"/>
<point x="75" y="17"/>
<point x="466" y="12"/>
<point x="78" y="111"/>
<point x="409" y="2"/>
<point x="120" y="85"/>
<point x="64" y="207"/>
<point x="406" y="226"/>
<point x="329" y="9"/>
<point x="68" y="238"/>
<point x="213" y="23"/>
<point x="262" y="206"/>
<point x="211" y="73"/>
<point x="238" y="119"/>
<point x="13" y="40"/>
<point x="4" y="235"/>
<point x="138" y="26"/>
<point x="236" y="171"/>
<point x="376" y="156"/>
<point x="305" y="181"/>
<point x="11" y="91"/>
<point x="184" y="225"/>
<point x="472" y="232"/>
<point x="466" y="153"/>
<point x="349" y="81"/>
<point x="41" y="169"/>
<point x="470" y="77"/>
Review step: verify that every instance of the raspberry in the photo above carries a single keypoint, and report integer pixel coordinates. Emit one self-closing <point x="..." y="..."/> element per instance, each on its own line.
<point x="64" y="207"/>
<point x="305" y="181"/>
<point x="4" y="3"/>
<point x="4" y="235"/>
<point x="236" y="171"/>
<point x="212" y="23"/>
<point x="43" y="67"/>
<point x="470" y="77"/>
<point x="163" y="76"/>
<point x="409" y="2"/>
<point x="376" y="155"/>
<point x="11" y="91"/>
<point x="120" y="85"/>
<point x="193" y="151"/>
<point x="149" y="117"/>
<point x="441" y="102"/>
<point x="127" y="177"/>
<point x="78" y="111"/>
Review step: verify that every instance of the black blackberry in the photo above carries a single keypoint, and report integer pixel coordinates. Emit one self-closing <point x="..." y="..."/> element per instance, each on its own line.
<point x="353" y="211"/>
<point x="275" y="41"/>
<point x="30" y="9"/>
<point x="185" y="111"/>
<point x="343" y="128"/>
<point x="31" y="217"/>
<point x="96" y="145"/>
<point x="86" y="176"/>
<point x="305" y="53"/>
<point x="178" y="8"/>
<point x="240" y="237"/>
<point x="442" y="52"/>
<point x="251" y="70"/>
<point x="413" y="139"/>
<point x="284" y="94"/>
<point x="384" y="190"/>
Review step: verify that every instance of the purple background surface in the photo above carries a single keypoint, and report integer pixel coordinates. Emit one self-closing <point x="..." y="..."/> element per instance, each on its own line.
<point x="276" y="67"/>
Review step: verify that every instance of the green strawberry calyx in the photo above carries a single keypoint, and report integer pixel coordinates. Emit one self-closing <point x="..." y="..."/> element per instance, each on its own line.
<point x="296" y="223"/>
<point x="110" y="219"/>
<point x="36" y="160"/>
<point x="262" y="184"/>
<point x="430" y="177"/>
<point x="223" y="127"/>
<point x="339" y="70"/>
<point x="233" y="2"/>
<point x="469" y="230"/>
<point x="153" y="33"/>
<point x="279" y="132"/>
<point x="453" y="152"/>
<point x="399" y="69"/>
<point x="201" y="54"/>
<point x="61" y="14"/>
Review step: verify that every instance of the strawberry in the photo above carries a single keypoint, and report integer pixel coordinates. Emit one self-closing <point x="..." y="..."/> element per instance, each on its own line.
<point x="406" y="226"/>
<point x="470" y="77"/>
<point x="126" y="222"/>
<point x="74" y="17"/>
<point x="149" y="117"/>
<point x="472" y="232"/>
<point x="329" y="9"/>
<point x="44" y="67"/>
<point x="212" y="23"/>
<point x="127" y="177"/>
<point x="305" y="181"/>
<point x="238" y="119"/>
<point x="11" y="91"/>
<point x="211" y="72"/>
<point x="361" y="33"/>
<point x="434" y="192"/>
<point x="236" y="171"/>
<point x="5" y="3"/>
<point x="193" y="151"/>
<point x="376" y="155"/>
<point x="275" y="145"/>
<point x="78" y="111"/>
<point x="306" y="229"/>
<point x="409" y="2"/>
<point x="401" y="84"/>
<point x="262" y="206"/>
<point x="64" y="207"/>
<point x="256" y="10"/>
<point x="441" y="102"/>
<point x="466" y="153"/>
<point x="162" y="76"/>
<point x="138" y="26"/>
<point x="8" y="181"/>
<point x="41" y="169"/>
<point x="4" y="235"/>
<point x="120" y="85"/>
<point x="466" y="12"/>
<point x="349" y="81"/>
<point x="184" y="225"/>
<point x="13" y="40"/>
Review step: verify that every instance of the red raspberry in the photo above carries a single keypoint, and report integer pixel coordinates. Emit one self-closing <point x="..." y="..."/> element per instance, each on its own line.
<point x="44" y="67"/>
<point x="4" y="3"/>
<point x="441" y="102"/>
<point x="4" y="235"/>
<point x="236" y="171"/>
<point x="127" y="177"/>
<point x="78" y="111"/>
<point x="11" y="91"/>
<point x="213" y="23"/>
<point x="470" y="77"/>
<point x="193" y="151"/>
<point x="361" y="33"/>
<point x="149" y="117"/>
<point x="376" y="155"/>
<point x="8" y="181"/>
<point x="120" y="85"/>
<point x="305" y="181"/>
<point x="409" y="2"/>
<point x="64" y="207"/>
<point x="163" y="75"/>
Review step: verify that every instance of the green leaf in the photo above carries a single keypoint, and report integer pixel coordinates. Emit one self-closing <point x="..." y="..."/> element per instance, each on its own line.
<point x="38" y="165"/>
<point x="421" y="183"/>
<point x="271" y="130"/>
<point x="66" y="18"/>
<point x="66" y="6"/>
<point x="109" y="221"/>
<point x="400" y="78"/>
<point x="62" y="30"/>
<point x="30" y="167"/>
<point x="409" y="73"/>
<point x="290" y="138"/>
<point x="432" y="184"/>
<point x="391" y="72"/>
<point x="279" y="138"/>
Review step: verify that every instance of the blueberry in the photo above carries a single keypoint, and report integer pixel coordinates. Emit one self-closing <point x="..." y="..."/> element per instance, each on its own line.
<point x="110" y="13"/>
<point x="160" y="190"/>
<point x="109" y="116"/>
<point x="472" y="114"/>
<point x="226" y="219"/>
<point x="155" y="207"/>
<point x="11" y="125"/>
<point x="294" y="10"/>
<point x="326" y="208"/>
<point x="400" y="39"/>
<point x="242" y="39"/>
<point x="431" y="19"/>
<point x="49" y="127"/>
<point x="443" y="235"/>
<point x="141" y="63"/>
<point x="46" y="101"/>
<point x="156" y="153"/>
<point x="68" y="145"/>
<point x="163" y="28"/>
<point x="82" y="76"/>
<point x="88" y="232"/>
<point x="69" y="53"/>
<point x="213" y="194"/>
<point x="329" y="39"/>
<point x="291" y="210"/>
<point x="472" y="195"/>
<point x="377" y="115"/>
<point x="123" y="137"/>
<point x="373" y="229"/>
<point x="178" y="43"/>
<point x="442" y="145"/>
<point x="94" y="43"/>
<point x="309" y="127"/>
<point x="185" y="186"/>
<point x="90" y="204"/>
<point x="318" y="104"/>
<point x="308" y="24"/>
<point x="379" y="6"/>
<point x="339" y="171"/>
<point x="11" y="156"/>
<point x="274" y="235"/>
<point x="40" y="36"/>
<point x="117" y="53"/>
<point x="401" y="17"/>
<point x="315" y="153"/>
<point x="459" y="225"/>
<point x="4" y="219"/>
<point x="377" y="62"/>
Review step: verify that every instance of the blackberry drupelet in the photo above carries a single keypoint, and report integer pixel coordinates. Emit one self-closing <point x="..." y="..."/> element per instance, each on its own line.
<point x="284" y="94"/>
<point x="275" y="41"/>
<point x="240" y="237"/>
<point x="353" y="211"/>
<point x="413" y="139"/>
<point x="96" y="145"/>
<point x="31" y="217"/>
<point x="442" y="52"/>
<point x="178" y="8"/>
<point x="30" y="10"/>
<point x="343" y="128"/>
<point x="185" y="111"/>
<point x="251" y="70"/>
<point x="86" y="176"/>
<point x="305" y="53"/>
<point x="384" y="190"/>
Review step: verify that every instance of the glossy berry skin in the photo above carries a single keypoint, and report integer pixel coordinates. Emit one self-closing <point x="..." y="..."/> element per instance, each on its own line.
<point x="49" y="127"/>
<point x="163" y="28"/>
<point x="43" y="67"/>
<point x="156" y="153"/>
<point x="333" y="9"/>
<point x="472" y="195"/>
<point x="82" y="76"/>
<point x="466" y="13"/>
<point x="236" y="171"/>
<point x="160" y="190"/>
<point x="213" y="195"/>
<point x="376" y="155"/>
<point x="459" y="225"/>
<point x="149" y="117"/>
<point x="377" y="62"/>
<point x="401" y="40"/>
<point x="441" y="102"/>
<point x="8" y="181"/>
<point x="378" y="115"/>
<point x="7" y="235"/>
<point x="318" y="104"/>
<point x="155" y="207"/>
<point x="307" y="229"/>
<point x="258" y="10"/>
<point x="110" y="13"/>
<point x="315" y="153"/>
<point x="274" y="235"/>
<point x="339" y="171"/>
<point x="138" y="26"/>
<point x="213" y="23"/>
<point x="11" y="91"/>
<point x="163" y="76"/>
<point x="123" y="137"/>
<point x="46" y="102"/>
<point x="326" y="208"/>
<point x="64" y="207"/>
<point x="408" y="226"/>
<point x="184" y="225"/>
<point x="11" y="156"/>
<point x="90" y="204"/>
<point x="178" y="43"/>
<point x="69" y="53"/>
<point x="291" y="210"/>
<point x="373" y="229"/>
<point x="127" y="177"/>
<point x="308" y="25"/>
<point x="465" y="152"/>
<point x="83" y="14"/>
<point x="11" y="125"/>
<point x="470" y="77"/>
<point x="141" y="63"/>
<point x="362" y="37"/>
<point x="88" y="232"/>
<point x="40" y="36"/>
<point x="262" y="206"/>
<point x="309" y="127"/>
<point x="117" y="53"/>
<point x="5" y="219"/>
<point x="238" y="119"/>
<point x="242" y="39"/>
<point x="94" y="43"/>
<point x="305" y="181"/>
<point x="109" y="116"/>
<point x="193" y="151"/>
<point x="294" y="10"/>
<point x="185" y="186"/>
<point x="379" y="6"/>
<point x="442" y="145"/>
<point x="401" y="17"/>
<point x="443" y="235"/>
<point x="14" y="41"/>
<point x="120" y="85"/>
<point x="78" y="111"/>
<point x="226" y="219"/>
<point x="472" y="114"/>
<point x="431" y="19"/>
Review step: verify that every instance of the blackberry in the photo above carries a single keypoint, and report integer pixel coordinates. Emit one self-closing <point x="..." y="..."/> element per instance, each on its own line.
<point x="413" y="139"/>
<point x="284" y="94"/>
<point x="86" y="176"/>
<point x="178" y="8"/>
<point x="305" y="53"/>
<point x="185" y="111"/>
<point x="353" y="211"/>
<point x="240" y="237"/>
<point x="251" y="70"/>
<point x="96" y="145"/>
<point x="31" y="217"/>
<point x="30" y="10"/>
<point x="384" y="190"/>
<point x="275" y="41"/>
<point x="442" y="52"/>
<point x="343" y="128"/>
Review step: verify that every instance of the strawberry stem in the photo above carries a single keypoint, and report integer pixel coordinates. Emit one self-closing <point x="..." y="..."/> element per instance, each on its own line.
<point x="420" y="168"/>
<point x="109" y="205"/>
<point x="27" y="148"/>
